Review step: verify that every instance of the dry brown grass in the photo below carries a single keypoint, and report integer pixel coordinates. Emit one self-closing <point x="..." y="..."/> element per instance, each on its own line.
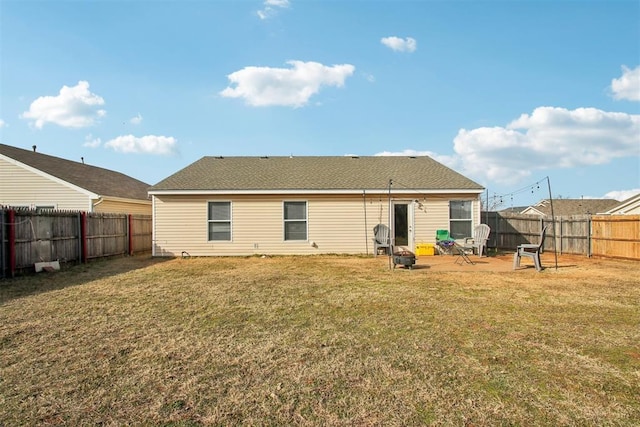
<point x="320" y="341"/>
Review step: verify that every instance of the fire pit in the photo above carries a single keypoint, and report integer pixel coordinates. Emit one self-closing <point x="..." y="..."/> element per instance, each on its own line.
<point x="404" y="258"/>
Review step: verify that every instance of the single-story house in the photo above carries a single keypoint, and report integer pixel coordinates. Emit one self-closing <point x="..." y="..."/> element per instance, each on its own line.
<point x="567" y="207"/>
<point x="29" y="179"/>
<point x="630" y="206"/>
<point x="308" y="205"/>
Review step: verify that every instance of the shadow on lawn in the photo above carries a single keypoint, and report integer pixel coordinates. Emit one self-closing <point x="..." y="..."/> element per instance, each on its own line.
<point x="72" y="275"/>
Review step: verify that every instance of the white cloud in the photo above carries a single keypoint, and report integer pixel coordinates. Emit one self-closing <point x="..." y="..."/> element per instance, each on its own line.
<point x="622" y="195"/>
<point x="149" y="144"/>
<point x="91" y="142"/>
<point x="74" y="107"/>
<point x="3" y="123"/>
<point x="265" y="86"/>
<point x="136" y="120"/>
<point x="271" y="8"/>
<point x="628" y="85"/>
<point x="548" y="138"/>
<point x="398" y="44"/>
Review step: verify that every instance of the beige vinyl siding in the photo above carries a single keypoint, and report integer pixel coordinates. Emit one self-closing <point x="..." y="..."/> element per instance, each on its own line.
<point x="117" y="206"/>
<point x="22" y="187"/>
<point x="434" y="216"/>
<point x="336" y="224"/>
<point x="437" y="215"/>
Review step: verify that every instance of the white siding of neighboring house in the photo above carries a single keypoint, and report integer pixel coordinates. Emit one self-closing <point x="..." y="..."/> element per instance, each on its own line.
<point x="633" y="210"/>
<point x="336" y="224"/>
<point x="629" y="207"/>
<point x="22" y="187"/>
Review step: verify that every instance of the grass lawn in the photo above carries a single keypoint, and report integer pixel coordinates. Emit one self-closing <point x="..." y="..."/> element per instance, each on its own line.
<point x="324" y="340"/>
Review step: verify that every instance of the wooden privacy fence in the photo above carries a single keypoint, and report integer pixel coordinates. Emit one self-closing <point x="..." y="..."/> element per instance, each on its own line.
<point x="28" y="236"/>
<point x="616" y="236"/>
<point x="612" y="236"/>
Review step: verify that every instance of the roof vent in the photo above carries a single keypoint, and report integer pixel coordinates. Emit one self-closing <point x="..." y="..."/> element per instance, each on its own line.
<point x="412" y="157"/>
<point x="355" y="157"/>
<point x="34" y="148"/>
<point x="264" y="157"/>
<point x="219" y="157"/>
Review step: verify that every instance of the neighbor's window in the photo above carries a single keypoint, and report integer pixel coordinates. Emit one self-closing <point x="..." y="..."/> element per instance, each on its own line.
<point x="219" y="221"/>
<point x="460" y="218"/>
<point x="295" y="220"/>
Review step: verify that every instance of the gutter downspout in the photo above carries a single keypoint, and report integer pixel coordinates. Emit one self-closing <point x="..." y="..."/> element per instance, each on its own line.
<point x="153" y="226"/>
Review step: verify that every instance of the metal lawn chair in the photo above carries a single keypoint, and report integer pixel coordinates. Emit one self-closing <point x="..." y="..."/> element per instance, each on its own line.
<point x="530" y="250"/>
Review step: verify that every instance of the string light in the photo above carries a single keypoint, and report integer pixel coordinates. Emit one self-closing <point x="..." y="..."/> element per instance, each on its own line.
<point x="531" y="187"/>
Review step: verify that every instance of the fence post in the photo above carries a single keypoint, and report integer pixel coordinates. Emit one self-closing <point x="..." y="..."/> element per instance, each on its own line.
<point x="589" y="237"/>
<point x="79" y="218"/>
<point x="83" y="236"/>
<point x="130" y="232"/>
<point x="11" y="242"/>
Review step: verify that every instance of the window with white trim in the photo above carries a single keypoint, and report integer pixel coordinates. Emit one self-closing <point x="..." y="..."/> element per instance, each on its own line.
<point x="295" y="220"/>
<point x="219" y="221"/>
<point x="460" y="218"/>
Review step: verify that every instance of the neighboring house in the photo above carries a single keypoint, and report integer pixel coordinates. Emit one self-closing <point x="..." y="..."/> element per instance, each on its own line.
<point x="631" y="206"/>
<point x="39" y="181"/>
<point x="567" y="207"/>
<point x="308" y="205"/>
<point x="514" y="209"/>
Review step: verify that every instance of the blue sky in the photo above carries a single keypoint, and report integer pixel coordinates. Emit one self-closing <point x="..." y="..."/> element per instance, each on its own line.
<point x="505" y="92"/>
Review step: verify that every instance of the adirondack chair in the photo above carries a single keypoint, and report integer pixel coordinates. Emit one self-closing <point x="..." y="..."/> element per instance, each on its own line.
<point x="530" y="250"/>
<point x="381" y="239"/>
<point x="479" y="240"/>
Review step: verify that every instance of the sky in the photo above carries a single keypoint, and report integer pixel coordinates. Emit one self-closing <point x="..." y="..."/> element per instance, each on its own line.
<point x="508" y="93"/>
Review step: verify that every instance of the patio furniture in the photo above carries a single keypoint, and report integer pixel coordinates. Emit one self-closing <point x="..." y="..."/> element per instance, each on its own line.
<point x="444" y="242"/>
<point x="461" y="254"/>
<point x="530" y="250"/>
<point x="479" y="240"/>
<point x="381" y="239"/>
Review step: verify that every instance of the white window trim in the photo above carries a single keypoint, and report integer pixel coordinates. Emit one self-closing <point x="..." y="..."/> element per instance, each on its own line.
<point x="306" y="221"/>
<point x="471" y="219"/>
<point x="230" y="221"/>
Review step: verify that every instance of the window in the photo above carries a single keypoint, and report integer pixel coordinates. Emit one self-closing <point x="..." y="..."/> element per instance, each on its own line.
<point x="295" y="220"/>
<point x="220" y="221"/>
<point x="460" y="218"/>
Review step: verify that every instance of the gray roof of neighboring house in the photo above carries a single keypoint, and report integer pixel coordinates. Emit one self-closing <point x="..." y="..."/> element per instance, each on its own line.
<point x="315" y="174"/>
<point x="514" y="209"/>
<point x="564" y="207"/>
<point x="103" y="182"/>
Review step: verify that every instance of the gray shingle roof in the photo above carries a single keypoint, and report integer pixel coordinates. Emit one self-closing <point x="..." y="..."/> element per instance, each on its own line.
<point x="315" y="173"/>
<point x="564" y="207"/>
<point x="103" y="182"/>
